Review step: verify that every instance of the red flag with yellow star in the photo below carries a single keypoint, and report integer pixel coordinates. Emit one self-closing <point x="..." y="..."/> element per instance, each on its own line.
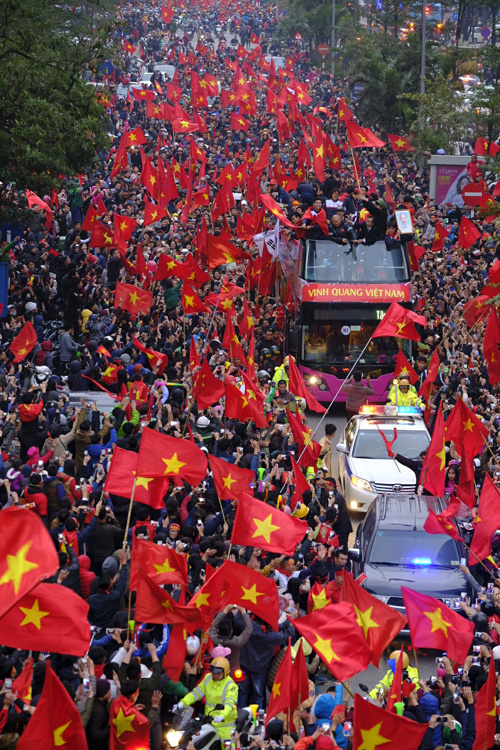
<point x="23" y="343"/>
<point x="49" y="618"/>
<point x="164" y="456"/>
<point x="400" y="143"/>
<point x="403" y="367"/>
<point x="490" y="346"/>
<point x="27" y="555"/>
<point x="434" y="625"/>
<point x="259" y="525"/>
<point x="161" y="564"/>
<point x="298" y="387"/>
<point x="374" y="727"/>
<point x="434" y="468"/>
<point x="309" y="449"/>
<point x="486" y="521"/>
<point x="155" y="605"/>
<point x="157" y="360"/>
<point x="129" y="728"/>
<point x="153" y="212"/>
<point x="133" y="299"/>
<point x="280" y="700"/>
<point x="221" y="251"/>
<point x="321" y="596"/>
<point x="22" y="683"/>
<point x="242" y="407"/>
<point x="486" y="712"/>
<point x="379" y="622"/>
<point x="190" y="301"/>
<point x="337" y="639"/>
<point x="250" y="589"/>
<point x="231" y="341"/>
<point x="440" y="235"/>
<point x="175" y="658"/>
<point x="230" y="480"/>
<point x="207" y="389"/>
<point x="399" y="322"/>
<point x="56" y="721"/>
<point x="440" y="523"/>
<point x="319" y="156"/>
<point x="120" y="481"/>
<point x="468" y="233"/>
<point x="466" y="430"/>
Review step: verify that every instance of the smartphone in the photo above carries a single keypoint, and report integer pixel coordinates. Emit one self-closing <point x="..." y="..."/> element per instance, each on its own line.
<point x="86" y="685"/>
<point x="7" y="683"/>
<point x="462" y="561"/>
<point x="60" y="538"/>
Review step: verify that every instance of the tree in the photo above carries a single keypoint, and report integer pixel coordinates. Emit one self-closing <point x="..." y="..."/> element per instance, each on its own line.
<point x="50" y="120"/>
<point x="440" y="120"/>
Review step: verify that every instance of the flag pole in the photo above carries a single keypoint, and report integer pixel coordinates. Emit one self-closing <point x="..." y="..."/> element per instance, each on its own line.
<point x="485" y="440"/>
<point x="354" y="164"/>
<point x="129" y="515"/>
<point x="477" y="558"/>
<point x="187" y="415"/>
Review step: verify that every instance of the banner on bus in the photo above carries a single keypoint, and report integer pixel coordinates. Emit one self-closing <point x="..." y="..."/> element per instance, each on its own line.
<point x="356" y="293"/>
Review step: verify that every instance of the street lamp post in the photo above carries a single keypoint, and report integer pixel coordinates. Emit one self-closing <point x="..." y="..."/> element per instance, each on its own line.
<point x="333" y="38"/>
<point x="422" y="52"/>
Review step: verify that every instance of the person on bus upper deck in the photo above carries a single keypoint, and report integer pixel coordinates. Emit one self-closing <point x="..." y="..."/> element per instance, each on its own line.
<point x="339" y="231"/>
<point x="377" y="208"/>
<point x="315" y="221"/>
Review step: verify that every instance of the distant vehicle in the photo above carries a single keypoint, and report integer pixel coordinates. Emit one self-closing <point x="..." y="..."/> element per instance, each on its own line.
<point x="392" y="549"/>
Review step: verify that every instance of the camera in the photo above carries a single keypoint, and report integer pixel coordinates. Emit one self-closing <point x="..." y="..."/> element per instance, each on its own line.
<point x="478" y="634"/>
<point x="441" y="720"/>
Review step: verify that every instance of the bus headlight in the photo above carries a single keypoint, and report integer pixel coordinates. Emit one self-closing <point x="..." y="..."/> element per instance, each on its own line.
<point x="173" y="737"/>
<point x="361" y="484"/>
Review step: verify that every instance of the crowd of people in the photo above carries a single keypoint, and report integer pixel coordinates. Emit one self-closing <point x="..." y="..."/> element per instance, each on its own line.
<point x="57" y="452"/>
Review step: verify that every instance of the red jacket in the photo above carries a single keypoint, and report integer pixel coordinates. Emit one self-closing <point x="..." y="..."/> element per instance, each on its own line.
<point x="29" y="412"/>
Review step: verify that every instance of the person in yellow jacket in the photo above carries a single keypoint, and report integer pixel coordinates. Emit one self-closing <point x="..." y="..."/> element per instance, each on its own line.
<point x="281" y="372"/>
<point x="403" y="394"/>
<point x="218" y="689"/>
<point x="384" y="685"/>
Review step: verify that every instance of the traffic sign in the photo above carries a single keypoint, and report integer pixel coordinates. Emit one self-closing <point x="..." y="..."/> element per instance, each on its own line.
<point x="485" y="32"/>
<point x="323" y="49"/>
<point x="472" y="194"/>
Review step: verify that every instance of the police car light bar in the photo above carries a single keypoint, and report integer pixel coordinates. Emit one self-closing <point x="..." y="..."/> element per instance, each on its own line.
<point x="389" y="410"/>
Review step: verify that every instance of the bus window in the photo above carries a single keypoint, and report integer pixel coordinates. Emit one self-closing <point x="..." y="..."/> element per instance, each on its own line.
<point x="329" y="262"/>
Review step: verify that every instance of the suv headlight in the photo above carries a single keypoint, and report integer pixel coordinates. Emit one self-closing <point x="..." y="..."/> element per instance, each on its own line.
<point x="362" y="484"/>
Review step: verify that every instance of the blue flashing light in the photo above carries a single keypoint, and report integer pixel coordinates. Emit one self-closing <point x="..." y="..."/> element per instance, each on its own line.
<point x="421" y="561"/>
<point x="409" y="410"/>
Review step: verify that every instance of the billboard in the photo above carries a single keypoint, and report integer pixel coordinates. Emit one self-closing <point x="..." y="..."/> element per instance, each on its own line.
<point x="450" y="181"/>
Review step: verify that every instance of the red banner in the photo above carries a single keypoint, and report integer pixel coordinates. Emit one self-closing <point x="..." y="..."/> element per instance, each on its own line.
<point x="356" y="293"/>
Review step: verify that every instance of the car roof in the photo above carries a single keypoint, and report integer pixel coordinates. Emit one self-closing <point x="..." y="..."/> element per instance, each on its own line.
<point x="395" y="510"/>
<point x="371" y="422"/>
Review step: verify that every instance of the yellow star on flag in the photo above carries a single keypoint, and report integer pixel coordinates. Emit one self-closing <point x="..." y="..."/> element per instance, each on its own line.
<point x="276" y="689"/>
<point x="364" y="619"/>
<point x="372" y="738"/>
<point x="320" y="152"/>
<point x="362" y="139"/>
<point x="184" y="124"/>
<point x="143" y="482"/>
<point x="188" y="300"/>
<point x="132" y="137"/>
<point x="442" y="456"/>
<point x="400" y="142"/>
<point x="108" y="239"/>
<point x="58" y="735"/>
<point x="251" y="594"/>
<point x="165" y="567"/>
<point x="133" y="298"/>
<point x="228" y="481"/>
<point x="468" y="426"/>
<point x="17" y="566"/>
<point x="324" y="647"/>
<point x="401" y="327"/>
<point x="34" y="615"/>
<point x="202" y="600"/>
<point x="265" y="528"/>
<point x="341" y="113"/>
<point x="172" y="464"/>
<point x="123" y="723"/>
<point x="123" y="226"/>
<point x="437" y="621"/>
<point x="320" y="600"/>
<point x="226" y="304"/>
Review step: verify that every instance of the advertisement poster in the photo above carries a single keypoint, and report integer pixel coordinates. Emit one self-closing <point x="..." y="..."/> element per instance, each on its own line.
<point x="450" y="181"/>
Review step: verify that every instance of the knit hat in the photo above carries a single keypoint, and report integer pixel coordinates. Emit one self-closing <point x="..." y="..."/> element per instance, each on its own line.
<point x="102" y="687"/>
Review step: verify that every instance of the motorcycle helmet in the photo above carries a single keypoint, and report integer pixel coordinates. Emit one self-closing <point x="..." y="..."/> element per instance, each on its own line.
<point x="395" y="655"/>
<point x="275" y="351"/>
<point x="218" y="665"/>
<point x="265" y="352"/>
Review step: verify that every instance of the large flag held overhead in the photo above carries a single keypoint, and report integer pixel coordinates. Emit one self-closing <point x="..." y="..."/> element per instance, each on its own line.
<point x="165" y="456"/>
<point x="129" y="727"/>
<point x="162" y="564"/>
<point x="399" y="322"/>
<point x="23" y="343"/>
<point x="230" y="480"/>
<point x="466" y="430"/>
<point x="486" y="711"/>
<point x="27" y="555"/>
<point x="259" y="525"/>
<point x="374" y="728"/>
<point x="434" y="468"/>
<point x="486" y="521"/>
<point x="123" y="473"/>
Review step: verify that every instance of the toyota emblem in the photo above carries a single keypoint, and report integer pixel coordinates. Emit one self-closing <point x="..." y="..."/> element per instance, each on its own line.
<point x="396" y="488"/>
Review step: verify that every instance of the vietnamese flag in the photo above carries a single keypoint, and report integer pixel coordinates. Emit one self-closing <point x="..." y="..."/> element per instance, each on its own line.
<point x="90" y="218"/>
<point x="27" y="555"/>
<point x="221" y="251"/>
<point x="194" y="359"/>
<point x="22" y="684"/>
<point x="153" y="212"/>
<point x="239" y="407"/>
<point x="157" y="360"/>
<point x="174" y="659"/>
<point x="403" y="367"/>
<point x="164" y="456"/>
<point x="343" y="111"/>
<point x="440" y="523"/>
<point x="400" y="323"/>
<point x="262" y="160"/>
<point x="415" y="252"/>
<point x="275" y="209"/>
<point x="300" y="483"/>
<point x="129" y="47"/>
<point x="134" y="137"/>
<point x="468" y="233"/>
<point x="319" y="156"/>
<point x="102" y="236"/>
<point x="238" y="122"/>
<point x="395" y="691"/>
<point x="440" y="235"/>
<point x="143" y="95"/>
<point x="432" y="373"/>
<point x="281" y="698"/>
<point x="48" y="618"/>
<point x="400" y="143"/>
<point x="122" y="474"/>
<point x="466" y="430"/>
<point x="23" y="343"/>
<point x="231" y="341"/>
<point x="226" y="475"/>
<point x="34" y="200"/>
<point x="337" y="639"/>
<point x="475" y="309"/>
<point x="375" y="727"/>
<point x="309" y="449"/>
<point x="190" y="302"/>
<point x="379" y="623"/>
<point x="264" y="526"/>
<point x="434" y="468"/>
<point x="434" y="625"/>
<point x="167" y="13"/>
<point x="129" y="728"/>
<point x="486" y="521"/>
<point x="124" y="227"/>
<point x="250" y="589"/>
<point x="299" y="388"/>
<point x="465" y="490"/>
<point x="486" y="711"/>
<point x="161" y="564"/>
<point x="207" y="389"/>
<point x="490" y="346"/>
<point x="155" y="605"/>
<point x="56" y="721"/>
<point x="133" y="299"/>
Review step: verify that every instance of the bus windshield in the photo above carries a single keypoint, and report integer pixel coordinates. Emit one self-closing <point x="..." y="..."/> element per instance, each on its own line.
<point x="336" y="334"/>
<point x="329" y="262"/>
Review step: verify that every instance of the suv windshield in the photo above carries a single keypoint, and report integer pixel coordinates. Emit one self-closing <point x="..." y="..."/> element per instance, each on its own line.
<point x="407" y="547"/>
<point x="327" y="261"/>
<point x="409" y="442"/>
